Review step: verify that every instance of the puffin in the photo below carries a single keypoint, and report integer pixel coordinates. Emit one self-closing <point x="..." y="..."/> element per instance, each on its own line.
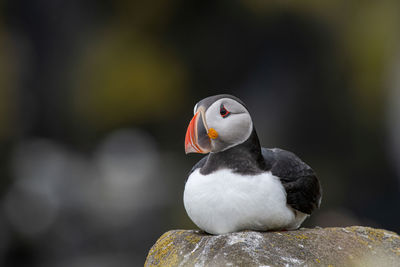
<point x="240" y="185"/>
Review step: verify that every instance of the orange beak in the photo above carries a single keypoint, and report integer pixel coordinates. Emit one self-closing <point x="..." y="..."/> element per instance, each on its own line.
<point x="197" y="139"/>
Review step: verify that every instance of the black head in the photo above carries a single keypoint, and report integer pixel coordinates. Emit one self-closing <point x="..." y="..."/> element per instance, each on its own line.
<point x="220" y="122"/>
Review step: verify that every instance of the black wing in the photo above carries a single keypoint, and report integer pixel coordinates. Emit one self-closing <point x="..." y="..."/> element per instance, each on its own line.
<point x="299" y="180"/>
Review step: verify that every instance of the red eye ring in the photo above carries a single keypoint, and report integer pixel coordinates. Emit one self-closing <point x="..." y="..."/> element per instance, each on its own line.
<point x="223" y="111"/>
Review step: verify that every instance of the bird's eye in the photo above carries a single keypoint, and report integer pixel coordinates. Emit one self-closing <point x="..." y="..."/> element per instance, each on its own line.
<point x="223" y="111"/>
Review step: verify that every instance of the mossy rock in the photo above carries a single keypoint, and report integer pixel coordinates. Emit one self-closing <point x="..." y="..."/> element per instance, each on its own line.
<point x="350" y="246"/>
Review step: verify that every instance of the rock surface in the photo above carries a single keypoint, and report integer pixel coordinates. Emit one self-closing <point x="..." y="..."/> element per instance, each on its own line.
<point x="350" y="246"/>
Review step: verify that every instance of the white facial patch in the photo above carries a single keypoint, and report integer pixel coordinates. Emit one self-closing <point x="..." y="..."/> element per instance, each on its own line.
<point x="233" y="129"/>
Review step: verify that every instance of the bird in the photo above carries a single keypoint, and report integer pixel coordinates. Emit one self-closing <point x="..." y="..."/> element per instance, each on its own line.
<point x="239" y="185"/>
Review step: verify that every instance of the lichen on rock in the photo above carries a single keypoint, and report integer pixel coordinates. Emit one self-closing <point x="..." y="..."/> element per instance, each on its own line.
<point x="350" y="246"/>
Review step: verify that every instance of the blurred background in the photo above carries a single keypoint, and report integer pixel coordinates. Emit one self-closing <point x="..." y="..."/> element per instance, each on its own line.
<point x="95" y="98"/>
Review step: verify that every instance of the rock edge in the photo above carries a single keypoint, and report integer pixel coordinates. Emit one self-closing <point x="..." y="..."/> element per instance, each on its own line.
<point x="350" y="246"/>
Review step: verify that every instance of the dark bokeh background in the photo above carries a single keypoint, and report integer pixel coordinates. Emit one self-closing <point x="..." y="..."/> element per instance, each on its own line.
<point x="95" y="97"/>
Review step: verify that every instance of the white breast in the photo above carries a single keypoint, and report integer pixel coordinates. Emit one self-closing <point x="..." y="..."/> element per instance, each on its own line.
<point x="224" y="202"/>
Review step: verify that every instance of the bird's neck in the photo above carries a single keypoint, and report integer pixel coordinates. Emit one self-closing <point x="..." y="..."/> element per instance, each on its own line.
<point x="245" y="158"/>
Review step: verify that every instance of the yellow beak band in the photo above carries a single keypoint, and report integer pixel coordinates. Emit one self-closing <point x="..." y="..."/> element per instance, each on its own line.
<point x="212" y="133"/>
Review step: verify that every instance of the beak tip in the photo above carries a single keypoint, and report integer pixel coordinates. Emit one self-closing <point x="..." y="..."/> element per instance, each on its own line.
<point x="190" y="149"/>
